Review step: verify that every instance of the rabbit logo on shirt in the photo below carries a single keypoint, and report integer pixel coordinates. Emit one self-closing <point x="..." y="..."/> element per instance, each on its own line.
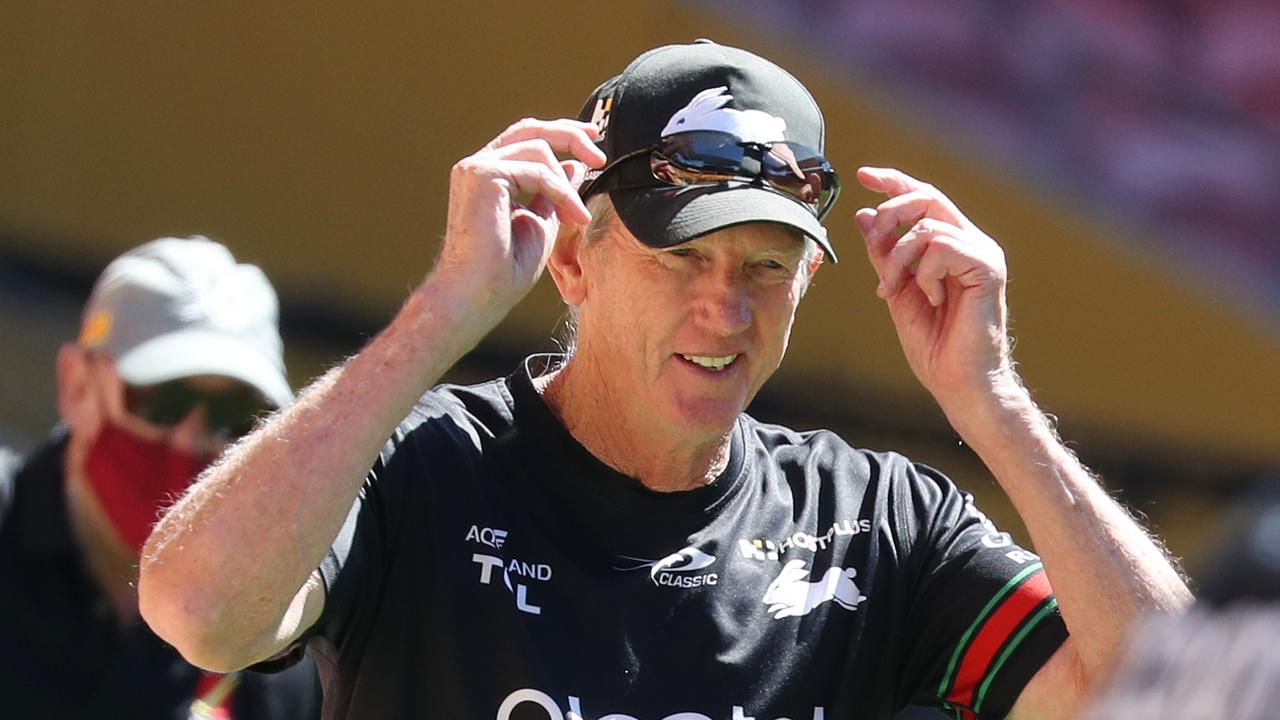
<point x="791" y="594"/>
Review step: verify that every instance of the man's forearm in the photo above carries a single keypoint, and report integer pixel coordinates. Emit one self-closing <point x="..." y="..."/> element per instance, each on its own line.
<point x="1105" y="569"/>
<point x="220" y="570"/>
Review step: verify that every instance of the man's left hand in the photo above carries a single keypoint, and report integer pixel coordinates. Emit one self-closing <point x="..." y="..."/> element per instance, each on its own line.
<point x="944" y="281"/>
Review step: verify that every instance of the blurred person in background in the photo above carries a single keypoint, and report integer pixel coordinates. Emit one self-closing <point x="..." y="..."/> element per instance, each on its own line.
<point x="178" y="354"/>
<point x="607" y="533"/>
<point x="1222" y="658"/>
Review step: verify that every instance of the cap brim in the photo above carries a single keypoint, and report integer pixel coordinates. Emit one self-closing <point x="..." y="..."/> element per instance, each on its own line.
<point x="200" y="352"/>
<point x="666" y="216"/>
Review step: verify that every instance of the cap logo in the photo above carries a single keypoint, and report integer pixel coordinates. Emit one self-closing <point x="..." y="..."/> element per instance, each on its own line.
<point x="96" y="329"/>
<point x="219" y="301"/>
<point x="600" y="116"/>
<point x="707" y="111"/>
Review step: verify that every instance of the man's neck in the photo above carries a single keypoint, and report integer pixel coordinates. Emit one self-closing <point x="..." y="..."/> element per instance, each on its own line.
<point x="668" y="461"/>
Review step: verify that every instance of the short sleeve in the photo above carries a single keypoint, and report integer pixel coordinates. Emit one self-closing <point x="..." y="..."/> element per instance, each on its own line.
<point x="983" y="618"/>
<point x="437" y="434"/>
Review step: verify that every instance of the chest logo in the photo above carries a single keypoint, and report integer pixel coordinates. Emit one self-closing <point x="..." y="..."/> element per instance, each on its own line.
<point x="680" y="569"/>
<point x="791" y="594"/>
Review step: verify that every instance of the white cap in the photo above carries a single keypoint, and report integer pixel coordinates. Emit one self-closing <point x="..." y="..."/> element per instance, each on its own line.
<point x="179" y="307"/>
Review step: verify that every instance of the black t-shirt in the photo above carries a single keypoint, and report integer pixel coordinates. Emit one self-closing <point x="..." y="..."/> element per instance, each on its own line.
<point x="493" y="568"/>
<point x="63" y="652"/>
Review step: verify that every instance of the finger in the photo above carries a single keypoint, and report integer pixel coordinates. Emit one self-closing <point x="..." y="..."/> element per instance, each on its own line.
<point x="878" y="246"/>
<point x="951" y="258"/>
<point x="542" y="206"/>
<point x="890" y="181"/>
<point x="933" y="269"/>
<point x="905" y="256"/>
<point x="896" y="183"/>
<point x="538" y="151"/>
<point x="529" y="223"/>
<point x="899" y="263"/>
<point x="865" y="218"/>
<point x="909" y="209"/>
<point x="575" y="171"/>
<point x="571" y="136"/>
<point x="535" y="178"/>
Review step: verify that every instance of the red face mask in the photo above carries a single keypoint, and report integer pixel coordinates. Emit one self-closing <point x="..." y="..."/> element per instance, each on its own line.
<point x="135" y="479"/>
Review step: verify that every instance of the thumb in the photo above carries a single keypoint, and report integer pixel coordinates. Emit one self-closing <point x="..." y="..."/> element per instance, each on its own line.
<point x="575" y="171"/>
<point x="865" y="219"/>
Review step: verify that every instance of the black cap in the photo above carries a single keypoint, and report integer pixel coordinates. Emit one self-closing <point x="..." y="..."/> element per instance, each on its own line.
<point x="635" y="109"/>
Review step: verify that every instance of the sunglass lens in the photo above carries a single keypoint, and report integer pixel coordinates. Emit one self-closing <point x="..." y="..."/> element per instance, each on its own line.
<point x="165" y="404"/>
<point x="234" y="414"/>
<point x="802" y="173"/>
<point x="695" y="157"/>
<point x="701" y="157"/>
<point x="229" y="413"/>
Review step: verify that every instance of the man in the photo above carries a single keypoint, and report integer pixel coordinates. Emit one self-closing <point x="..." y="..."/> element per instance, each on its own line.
<point x="178" y="353"/>
<point x="609" y="536"/>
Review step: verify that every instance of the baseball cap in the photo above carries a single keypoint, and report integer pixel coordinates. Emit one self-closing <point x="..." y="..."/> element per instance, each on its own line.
<point x="180" y="307"/>
<point x="666" y="90"/>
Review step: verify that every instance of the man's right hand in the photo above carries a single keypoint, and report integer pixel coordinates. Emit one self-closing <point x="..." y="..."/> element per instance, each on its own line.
<point x="290" y="485"/>
<point x="496" y="247"/>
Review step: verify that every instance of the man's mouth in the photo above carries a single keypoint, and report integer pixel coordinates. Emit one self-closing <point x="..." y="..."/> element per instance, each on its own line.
<point x="714" y="364"/>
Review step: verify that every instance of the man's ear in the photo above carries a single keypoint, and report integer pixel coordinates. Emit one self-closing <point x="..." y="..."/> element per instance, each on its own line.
<point x="565" y="263"/>
<point x="76" y="403"/>
<point x="816" y="262"/>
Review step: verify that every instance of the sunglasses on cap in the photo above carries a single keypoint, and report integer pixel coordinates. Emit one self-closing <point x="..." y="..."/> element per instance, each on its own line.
<point x="228" y="413"/>
<point x="713" y="157"/>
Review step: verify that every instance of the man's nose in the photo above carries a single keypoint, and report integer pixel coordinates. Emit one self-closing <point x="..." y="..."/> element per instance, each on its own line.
<point x="724" y="302"/>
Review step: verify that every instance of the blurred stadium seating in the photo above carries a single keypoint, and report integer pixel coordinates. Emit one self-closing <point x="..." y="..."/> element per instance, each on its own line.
<point x="1165" y="114"/>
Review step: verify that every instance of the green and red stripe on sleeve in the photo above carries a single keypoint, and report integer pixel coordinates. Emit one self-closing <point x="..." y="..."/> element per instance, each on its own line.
<point x="995" y="634"/>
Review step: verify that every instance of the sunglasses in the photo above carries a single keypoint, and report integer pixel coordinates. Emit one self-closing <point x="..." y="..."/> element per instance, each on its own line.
<point x="712" y="157"/>
<point x="228" y="413"/>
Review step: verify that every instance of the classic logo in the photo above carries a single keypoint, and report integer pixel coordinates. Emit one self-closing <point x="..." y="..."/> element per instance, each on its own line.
<point x="792" y="595"/>
<point x="677" y="569"/>
<point x="707" y="111"/>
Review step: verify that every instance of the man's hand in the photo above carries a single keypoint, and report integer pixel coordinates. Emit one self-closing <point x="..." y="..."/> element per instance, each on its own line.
<point x="944" y="282"/>
<point x="495" y="246"/>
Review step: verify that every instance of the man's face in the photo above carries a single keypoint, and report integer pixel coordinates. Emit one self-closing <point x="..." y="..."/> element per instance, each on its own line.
<point x="133" y="449"/>
<point x="685" y="336"/>
<point x="188" y="430"/>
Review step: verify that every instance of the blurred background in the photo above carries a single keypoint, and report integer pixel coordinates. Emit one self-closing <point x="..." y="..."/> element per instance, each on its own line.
<point x="1125" y="153"/>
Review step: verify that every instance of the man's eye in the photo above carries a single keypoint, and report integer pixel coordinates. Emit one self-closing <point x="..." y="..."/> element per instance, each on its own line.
<point x="681" y="252"/>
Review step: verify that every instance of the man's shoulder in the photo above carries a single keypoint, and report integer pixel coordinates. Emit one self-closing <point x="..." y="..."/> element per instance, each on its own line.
<point x="462" y="412"/>
<point x="10" y="462"/>
<point x="451" y="397"/>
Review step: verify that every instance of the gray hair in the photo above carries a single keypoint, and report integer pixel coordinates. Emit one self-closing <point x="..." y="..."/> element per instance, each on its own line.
<point x="603" y="220"/>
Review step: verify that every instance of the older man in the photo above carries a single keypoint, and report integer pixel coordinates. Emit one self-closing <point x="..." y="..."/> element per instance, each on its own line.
<point x="178" y="354"/>
<point x="607" y="534"/>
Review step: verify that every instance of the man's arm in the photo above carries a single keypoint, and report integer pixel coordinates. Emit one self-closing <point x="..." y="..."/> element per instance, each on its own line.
<point x="944" y="283"/>
<point x="229" y="574"/>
